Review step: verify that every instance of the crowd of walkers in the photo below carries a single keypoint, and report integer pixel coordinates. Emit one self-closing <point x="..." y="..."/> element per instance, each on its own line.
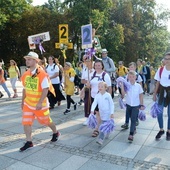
<point x="47" y="83"/>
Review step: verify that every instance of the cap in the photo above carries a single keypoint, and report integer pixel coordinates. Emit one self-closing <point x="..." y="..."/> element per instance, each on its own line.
<point x="32" y="55"/>
<point x="68" y="64"/>
<point x="104" y="50"/>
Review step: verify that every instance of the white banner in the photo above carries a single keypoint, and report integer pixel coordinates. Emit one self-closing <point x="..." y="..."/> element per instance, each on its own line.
<point x="45" y="36"/>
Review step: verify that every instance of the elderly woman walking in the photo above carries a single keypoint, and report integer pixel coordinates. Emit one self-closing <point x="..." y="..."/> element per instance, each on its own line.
<point x="69" y="75"/>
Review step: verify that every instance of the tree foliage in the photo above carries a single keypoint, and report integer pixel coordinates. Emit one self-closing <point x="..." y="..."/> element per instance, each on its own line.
<point x="129" y="29"/>
<point x="11" y="10"/>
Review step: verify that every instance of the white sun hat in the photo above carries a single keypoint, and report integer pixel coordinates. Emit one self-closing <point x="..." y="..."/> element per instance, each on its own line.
<point x="32" y="55"/>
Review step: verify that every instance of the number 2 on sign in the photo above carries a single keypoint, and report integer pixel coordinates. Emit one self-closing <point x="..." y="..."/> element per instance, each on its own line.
<point x="63" y="30"/>
<point x="63" y="33"/>
<point x="86" y="35"/>
<point x="86" y="32"/>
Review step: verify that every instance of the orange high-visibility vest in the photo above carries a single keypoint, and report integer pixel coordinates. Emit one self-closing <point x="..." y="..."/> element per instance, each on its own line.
<point x="33" y="88"/>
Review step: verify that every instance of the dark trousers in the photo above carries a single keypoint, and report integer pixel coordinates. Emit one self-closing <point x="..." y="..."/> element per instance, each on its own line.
<point x="132" y="112"/>
<point x="59" y="96"/>
<point x="87" y="103"/>
<point x="88" y="100"/>
<point x="147" y="83"/>
<point x="69" y="101"/>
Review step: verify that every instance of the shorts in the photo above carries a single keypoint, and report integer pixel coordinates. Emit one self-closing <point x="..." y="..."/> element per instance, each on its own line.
<point x="42" y="116"/>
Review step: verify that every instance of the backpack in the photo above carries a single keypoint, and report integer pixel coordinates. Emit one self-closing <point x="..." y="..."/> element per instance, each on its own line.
<point x="94" y="75"/>
<point x="108" y="61"/>
<point x="77" y="80"/>
<point x="5" y="74"/>
<point x="160" y="71"/>
<point x="148" y="75"/>
<point x="60" y="73"/>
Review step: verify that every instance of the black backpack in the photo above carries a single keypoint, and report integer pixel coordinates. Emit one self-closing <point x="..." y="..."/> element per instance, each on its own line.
<point x="60" y="73"/>
<point x="148" y="75"/>
<point x="94" y="75"/>
<point x="77" y="80"/>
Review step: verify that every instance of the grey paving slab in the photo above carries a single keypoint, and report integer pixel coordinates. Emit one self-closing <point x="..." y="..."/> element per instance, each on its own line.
<point x="5" y="162"/>
<point x="75" y="140"/>
<point x="98" y="165"/>
<point x="93" y="146"/>
<point x="161" y="144"/>
<point x="69" y="127"/>
<point x="84" y="130"/>
<point x="76" y="149"/>
<point x="155" y="155"/>
<point x="47" y="158"/>
<point x="128" y="150"/>
<point x="72" y="163"/>
<point x="16" y="129"/>
<point x="7" y="124"/>
<point x="23" y="166"/>
<point x="12" y="151"/>
<point x="139" y="139"/>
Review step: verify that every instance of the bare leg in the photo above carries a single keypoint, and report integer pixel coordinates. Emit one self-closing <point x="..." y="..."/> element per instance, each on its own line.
<point x="98" y="120"/>
<point x="28" y="132"/>
<point x="52" y="127"/>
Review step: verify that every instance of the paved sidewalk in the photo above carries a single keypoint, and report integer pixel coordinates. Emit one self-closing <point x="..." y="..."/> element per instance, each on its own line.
<point x="76" y="149"/>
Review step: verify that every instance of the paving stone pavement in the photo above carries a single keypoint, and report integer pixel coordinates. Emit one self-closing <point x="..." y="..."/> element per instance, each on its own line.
<point x="76" y="149"/>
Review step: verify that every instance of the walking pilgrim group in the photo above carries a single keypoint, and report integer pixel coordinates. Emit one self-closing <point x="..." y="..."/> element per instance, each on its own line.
<point x="45" y="82"/>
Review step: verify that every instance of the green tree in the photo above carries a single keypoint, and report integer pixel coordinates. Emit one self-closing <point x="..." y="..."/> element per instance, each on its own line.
<point x="11" y="10"/>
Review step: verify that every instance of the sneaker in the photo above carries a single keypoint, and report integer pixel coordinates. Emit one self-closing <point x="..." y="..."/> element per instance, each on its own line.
<point x="137" y="123"/>
<point x="59" y="103"/>
<point x="51" y="107"/>
<point x="55" y="137"/>
<point x="15" y="96"/>
<point x="99" y="141"/>
<point x="1" y="95"/>
<point x="130" y="138"/>
<point x="125" y="126"/>
<point x="80" y="103"/>
<point x="86" y="122"/>
<point x="77" y="93"/>
<point x="75" y="106"/>
<point x="8" y="99"/>
<point x="160" y="133"/>
<point x="107" y="136"/>
<point x="168" y="136"/>
<point x="66" y="111"/>
<point x="27" y="145"/>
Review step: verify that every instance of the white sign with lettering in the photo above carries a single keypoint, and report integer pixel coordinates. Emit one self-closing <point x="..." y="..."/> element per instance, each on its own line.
<point x="45" y="36"/>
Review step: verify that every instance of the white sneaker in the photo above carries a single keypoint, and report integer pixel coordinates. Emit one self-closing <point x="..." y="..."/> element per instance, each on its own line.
<point x="107" y="136"/>
<point x="86" y="122"/>
<point x="99" y="141"/>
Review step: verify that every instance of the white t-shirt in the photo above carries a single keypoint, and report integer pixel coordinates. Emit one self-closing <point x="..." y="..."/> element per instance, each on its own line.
<point x="105" y="105"/>
<point x="132" y="96"/>
<point x="85" y="75"/>
<point x="96" y="80"/>
<point x="51" y="70"/>
<point x="165" y="77"/>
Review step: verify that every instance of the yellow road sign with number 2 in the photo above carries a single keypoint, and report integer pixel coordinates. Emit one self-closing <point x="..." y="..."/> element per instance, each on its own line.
<point x="63" y="33"/>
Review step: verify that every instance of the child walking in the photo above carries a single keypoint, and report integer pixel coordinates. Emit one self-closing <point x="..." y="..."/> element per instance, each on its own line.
<point x="105" y="104"/>
<point x="134" y="101"/>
